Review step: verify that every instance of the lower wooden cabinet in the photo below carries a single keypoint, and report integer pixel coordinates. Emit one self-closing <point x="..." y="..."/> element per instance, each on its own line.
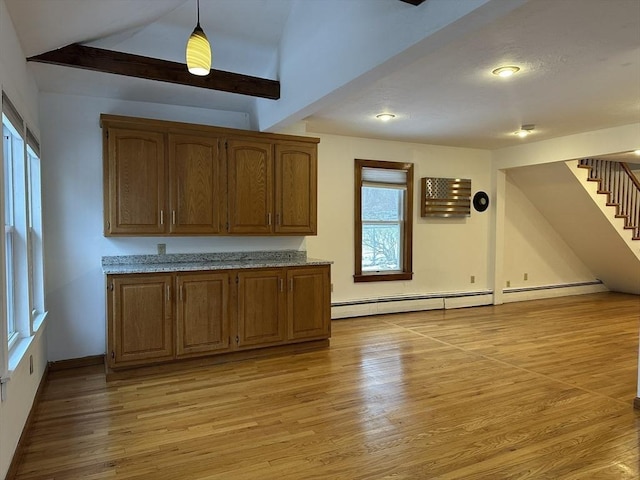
<point x="308" y="303"/>
<point x="140" y="319"/>
<point x="156" y="318"/>
<point x="202" y="307"/>
<point x="261" y="308"/>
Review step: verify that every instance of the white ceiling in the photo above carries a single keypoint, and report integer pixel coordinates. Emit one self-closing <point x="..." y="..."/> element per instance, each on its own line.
<point x="580" y="62"/>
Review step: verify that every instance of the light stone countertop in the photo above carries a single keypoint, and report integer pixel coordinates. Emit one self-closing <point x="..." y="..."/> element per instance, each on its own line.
<point x="193" y="262"/>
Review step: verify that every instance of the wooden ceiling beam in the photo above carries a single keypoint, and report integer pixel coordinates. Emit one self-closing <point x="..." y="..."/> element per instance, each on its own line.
<point x="118" y="63"/>
<point x="414" y="2"/>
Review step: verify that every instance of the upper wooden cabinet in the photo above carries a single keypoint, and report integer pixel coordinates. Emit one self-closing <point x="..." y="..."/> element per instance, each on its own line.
<point x="168" y="178"/>
<point x="196" y="172"/>
<point x="250" y="184"/>
<point x="135" y="190"/>
<point x="295" y="189"/>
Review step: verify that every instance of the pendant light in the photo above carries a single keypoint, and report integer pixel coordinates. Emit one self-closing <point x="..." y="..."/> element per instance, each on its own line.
<point x="198" y="51"/>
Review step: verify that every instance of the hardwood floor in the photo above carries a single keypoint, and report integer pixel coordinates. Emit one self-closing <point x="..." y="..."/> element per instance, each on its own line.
<point x="535" y="390"/>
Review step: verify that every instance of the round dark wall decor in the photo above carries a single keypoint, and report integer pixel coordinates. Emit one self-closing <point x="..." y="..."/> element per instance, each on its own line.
<point x="481" y="201"/>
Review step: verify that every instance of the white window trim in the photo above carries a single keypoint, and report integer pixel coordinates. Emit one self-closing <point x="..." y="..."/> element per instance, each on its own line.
<point x="29" y="322"/>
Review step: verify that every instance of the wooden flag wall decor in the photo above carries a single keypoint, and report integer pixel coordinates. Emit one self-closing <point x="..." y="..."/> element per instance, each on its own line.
<point x="445" y="197"/>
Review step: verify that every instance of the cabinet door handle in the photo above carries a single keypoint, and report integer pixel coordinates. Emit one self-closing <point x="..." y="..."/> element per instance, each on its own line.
<point x="173" y="217"/>
<point x="168" y="293"/>
<point x="269" y="218"/>
<point x="281" y="285"/>
<point x="161" y="217"/>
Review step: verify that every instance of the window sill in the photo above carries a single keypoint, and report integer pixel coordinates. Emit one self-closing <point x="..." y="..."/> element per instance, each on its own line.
<point x="39" y="321"/>
<point x="382" y="277"/>
<point x="18" y="352"/>
<point x="21" y="347"/>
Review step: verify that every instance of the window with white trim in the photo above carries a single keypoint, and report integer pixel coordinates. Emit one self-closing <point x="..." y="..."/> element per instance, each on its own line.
<point x="22" y="246"/>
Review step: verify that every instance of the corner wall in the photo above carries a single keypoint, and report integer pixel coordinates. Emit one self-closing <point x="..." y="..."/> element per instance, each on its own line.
<point x="20" y="390"/>
<point x="534" y="248"/>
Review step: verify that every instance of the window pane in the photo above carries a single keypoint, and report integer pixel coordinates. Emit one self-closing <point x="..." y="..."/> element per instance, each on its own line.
<point x="9" y="294"/>
<point x="8" y="176"/>
<point x="381" y="204"/>
<point x="380" y="247"/>
<point x="35" y="253"/>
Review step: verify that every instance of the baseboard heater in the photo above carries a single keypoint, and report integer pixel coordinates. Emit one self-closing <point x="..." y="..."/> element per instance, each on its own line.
<point x="410" y="303"/>
<point x="548" y="291"/>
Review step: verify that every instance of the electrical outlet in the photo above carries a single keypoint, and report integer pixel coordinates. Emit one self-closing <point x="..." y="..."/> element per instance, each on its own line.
<point x="473" y="279"/>
<point x="526" y="276"/>
<point x="508" y="283"/>
<point x="162" y="249"/>
<point x="30" y="364"/>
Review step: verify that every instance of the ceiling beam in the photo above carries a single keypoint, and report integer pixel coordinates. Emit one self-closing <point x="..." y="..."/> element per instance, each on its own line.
<point x="118" y="63"/>
<point x="414" y="2"/>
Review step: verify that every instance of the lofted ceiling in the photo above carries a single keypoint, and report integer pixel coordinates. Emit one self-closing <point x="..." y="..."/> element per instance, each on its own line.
<point x="341" y="62"/>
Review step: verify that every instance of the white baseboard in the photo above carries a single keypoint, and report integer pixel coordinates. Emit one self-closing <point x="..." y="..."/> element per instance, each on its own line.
<point x="442" y="301"/>
<point x="552" y="291"/>
<point x="409" y="303"/>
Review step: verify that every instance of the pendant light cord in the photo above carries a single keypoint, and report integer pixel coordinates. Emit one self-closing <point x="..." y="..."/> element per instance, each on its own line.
<point x="198" y="4"/>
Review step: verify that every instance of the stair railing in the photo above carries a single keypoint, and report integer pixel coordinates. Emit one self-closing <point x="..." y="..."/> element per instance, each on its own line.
<point x="622" y="187"/>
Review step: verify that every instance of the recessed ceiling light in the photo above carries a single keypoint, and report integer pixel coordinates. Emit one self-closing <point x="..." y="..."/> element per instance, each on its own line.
<point x="506" y="71"/>
<point x="385" y="117"/>
<point x="525" y="130"/>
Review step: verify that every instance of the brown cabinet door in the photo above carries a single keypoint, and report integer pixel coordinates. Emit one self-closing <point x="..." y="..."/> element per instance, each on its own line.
<point x="202" y="319"/>
<point x="250" y="186"/>
<point x="140" y="319"/>
<point x="195" y="174"/>
<point x="261" y="308"/>
<point x="308" y="302"/>
<point x="135" y="174"/>
<point x="296" y="179"/>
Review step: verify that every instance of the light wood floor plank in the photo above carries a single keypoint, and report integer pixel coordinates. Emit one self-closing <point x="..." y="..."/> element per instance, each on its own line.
<point x="529" y="390"/>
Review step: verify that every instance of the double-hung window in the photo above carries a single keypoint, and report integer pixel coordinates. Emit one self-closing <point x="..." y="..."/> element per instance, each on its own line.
<point x="22" y="247"/>
<point x="383" y="220"/>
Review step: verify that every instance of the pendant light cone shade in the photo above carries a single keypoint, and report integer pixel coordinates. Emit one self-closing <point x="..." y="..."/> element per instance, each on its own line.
<point x="198" y="53"/>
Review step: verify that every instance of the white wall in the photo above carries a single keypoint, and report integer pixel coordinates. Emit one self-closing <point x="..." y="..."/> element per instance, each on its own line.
<point x="446" y="252"/>
<point x="535" y="248"/>
<point x="19" y="85"/>
<point x="73" y="218"/>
